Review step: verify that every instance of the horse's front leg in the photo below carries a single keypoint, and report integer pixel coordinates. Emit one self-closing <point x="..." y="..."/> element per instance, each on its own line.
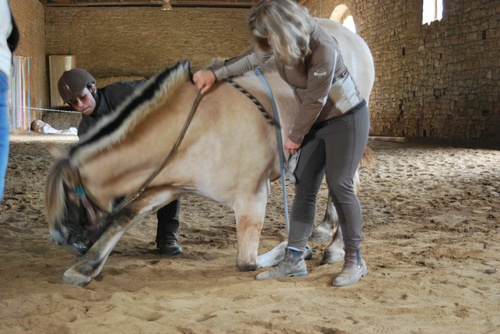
<point x="250" y="214"/>
<point x="90" y="265"/>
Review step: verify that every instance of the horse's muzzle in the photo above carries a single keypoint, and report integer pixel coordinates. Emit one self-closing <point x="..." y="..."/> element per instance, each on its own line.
<point x="79" y="246"/>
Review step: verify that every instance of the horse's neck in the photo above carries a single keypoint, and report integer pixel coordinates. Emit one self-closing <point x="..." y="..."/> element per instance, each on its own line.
<point x="123" y="166"/>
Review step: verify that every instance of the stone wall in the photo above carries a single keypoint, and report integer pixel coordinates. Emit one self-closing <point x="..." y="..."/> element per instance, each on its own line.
<point x="439" y="80"/>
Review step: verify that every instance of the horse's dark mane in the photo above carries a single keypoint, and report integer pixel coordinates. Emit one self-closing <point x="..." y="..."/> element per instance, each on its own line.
<point x="113" y="127"/>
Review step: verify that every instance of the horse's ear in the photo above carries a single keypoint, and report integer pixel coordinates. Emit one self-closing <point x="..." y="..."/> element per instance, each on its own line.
<point x="56" y="151"/>
<point x="187" y="65"/>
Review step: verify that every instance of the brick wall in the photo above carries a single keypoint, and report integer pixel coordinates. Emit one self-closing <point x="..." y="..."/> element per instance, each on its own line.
<point x="30" y="18"/>
<point x="139" y="41"/>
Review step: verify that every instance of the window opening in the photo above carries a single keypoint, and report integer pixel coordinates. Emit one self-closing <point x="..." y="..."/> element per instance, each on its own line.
<point x="432" y="11"/>
<point x="342" y="14"/>
<point x="349" y="23"/>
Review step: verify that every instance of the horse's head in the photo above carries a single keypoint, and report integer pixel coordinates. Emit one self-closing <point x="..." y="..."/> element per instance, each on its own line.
<point x="73" y="218"/>
<point x="74" y="221"/>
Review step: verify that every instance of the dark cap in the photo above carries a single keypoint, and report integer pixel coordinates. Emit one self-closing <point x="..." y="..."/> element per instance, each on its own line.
<point x="73" y="82"/>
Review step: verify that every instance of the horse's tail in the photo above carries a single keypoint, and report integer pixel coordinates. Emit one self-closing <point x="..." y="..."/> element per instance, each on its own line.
<point x="54" y="191"/>
<point x="368" y="159"/>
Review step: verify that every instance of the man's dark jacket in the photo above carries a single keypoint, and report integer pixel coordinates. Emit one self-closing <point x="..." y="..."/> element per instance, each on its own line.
<point x="108" y="99"/>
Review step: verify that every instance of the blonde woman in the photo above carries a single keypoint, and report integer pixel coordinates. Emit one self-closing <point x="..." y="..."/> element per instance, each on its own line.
<point x="331" y="127"/>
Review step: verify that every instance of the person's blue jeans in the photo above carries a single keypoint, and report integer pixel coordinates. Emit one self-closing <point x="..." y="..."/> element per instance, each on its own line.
<point x="4" y="130"/>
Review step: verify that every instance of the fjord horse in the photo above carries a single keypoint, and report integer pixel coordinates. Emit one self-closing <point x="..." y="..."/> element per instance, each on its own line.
<point x="229" y="154"/>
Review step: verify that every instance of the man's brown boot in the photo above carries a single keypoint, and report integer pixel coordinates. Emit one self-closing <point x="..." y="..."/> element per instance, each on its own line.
<point x="354" y="268"/>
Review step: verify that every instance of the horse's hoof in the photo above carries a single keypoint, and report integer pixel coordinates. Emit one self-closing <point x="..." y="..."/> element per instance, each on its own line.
<point x="332" y="256"/>
<point x="247" y="267"/>
<point x="320" y="234"/>
<point x="75" y="278"/>
<point x="308" y="253"/>
<point x="273" y="257"/>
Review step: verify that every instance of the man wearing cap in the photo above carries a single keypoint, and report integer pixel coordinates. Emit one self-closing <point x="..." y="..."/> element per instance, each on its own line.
<point x="77" y="87"/>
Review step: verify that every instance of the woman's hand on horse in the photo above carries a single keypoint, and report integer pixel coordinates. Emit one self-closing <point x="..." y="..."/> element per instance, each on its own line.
<point x="291" y="146"/>
<point x="204" y="80"/>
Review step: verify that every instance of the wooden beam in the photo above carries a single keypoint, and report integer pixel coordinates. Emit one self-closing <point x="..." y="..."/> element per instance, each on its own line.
<point x="175" y="3"/>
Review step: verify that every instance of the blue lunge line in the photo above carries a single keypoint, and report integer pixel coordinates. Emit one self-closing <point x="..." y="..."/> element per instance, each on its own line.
<point x="280" y="145"/>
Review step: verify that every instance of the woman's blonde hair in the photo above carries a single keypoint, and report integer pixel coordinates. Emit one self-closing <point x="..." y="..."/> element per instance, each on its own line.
<point x="287" y="25"/>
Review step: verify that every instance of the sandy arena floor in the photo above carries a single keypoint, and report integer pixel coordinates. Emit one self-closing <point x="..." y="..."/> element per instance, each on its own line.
<point x="432" y="245"/>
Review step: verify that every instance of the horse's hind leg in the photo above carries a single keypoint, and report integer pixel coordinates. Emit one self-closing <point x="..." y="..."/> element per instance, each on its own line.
<point x="90" y="265"/>
<point x="325" y="230"/>
<point x="335" y="251"/>
<point x="329" y="229"/>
